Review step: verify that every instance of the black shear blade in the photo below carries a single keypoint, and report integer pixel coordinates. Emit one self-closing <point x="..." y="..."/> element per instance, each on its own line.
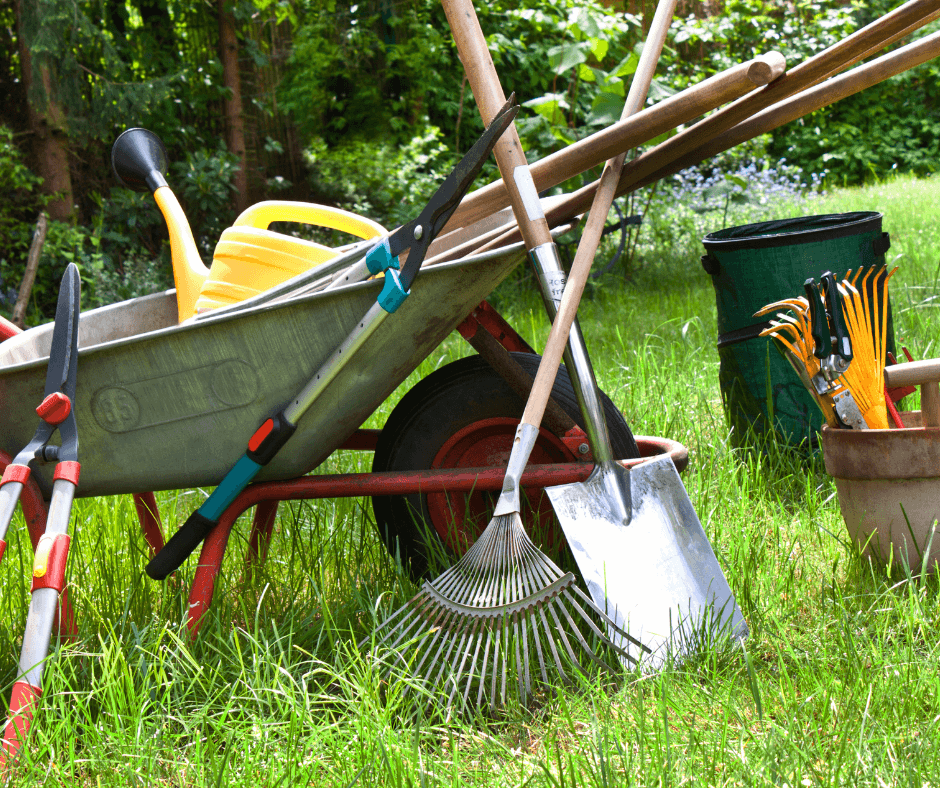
<point x="448" y="195"/>
<point x="60" y="373"/>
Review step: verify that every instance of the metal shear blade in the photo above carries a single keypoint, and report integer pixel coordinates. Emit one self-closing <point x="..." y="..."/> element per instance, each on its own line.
<point x="56" y="410"/>
<point x="418" y="234"/>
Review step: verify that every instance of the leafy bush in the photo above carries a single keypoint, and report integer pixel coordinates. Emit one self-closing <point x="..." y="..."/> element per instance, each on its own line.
<point x="383" y="181"/>
<point x="890" y="127"/>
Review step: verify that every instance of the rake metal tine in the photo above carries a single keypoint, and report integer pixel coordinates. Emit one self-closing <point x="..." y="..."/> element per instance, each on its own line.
<point x="581" y="639"/>
<point x="416" y="620"/>
<point x="403" y="611"/>
<point x="500" y="652"/>
<point x="610" y="622"/>
<point x="441" y="635"/>
<point x="607" y="619"/>
<point x="533" y="622"/>
<point x="494" y="664"/>
<point x="465" y="631"/>
<point x="486" y="654"/>
<point x="559" y="628"/>
<point x="402" y="634"/>
<point x="521" y="678"/>
<point x="474" y="639"/>
<point x="550" y="637"/>
<point x="482" y="633"/>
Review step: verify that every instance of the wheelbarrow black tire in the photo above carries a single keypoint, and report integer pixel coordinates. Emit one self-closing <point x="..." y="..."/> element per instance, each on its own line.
<point x="435" y="409"/>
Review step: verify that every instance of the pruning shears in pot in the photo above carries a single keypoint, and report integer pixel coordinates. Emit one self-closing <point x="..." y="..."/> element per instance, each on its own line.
<point x="833" y="348"/>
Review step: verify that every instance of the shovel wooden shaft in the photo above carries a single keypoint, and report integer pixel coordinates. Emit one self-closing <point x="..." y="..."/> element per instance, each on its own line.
<point x="593" y="229"/>
<point x="636" y="129"/>
<point x="484" y="82"/>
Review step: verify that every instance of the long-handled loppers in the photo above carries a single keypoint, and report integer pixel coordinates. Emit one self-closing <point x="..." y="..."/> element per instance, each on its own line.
<point x="56" y="414"/>
<point x="415" y="236"/>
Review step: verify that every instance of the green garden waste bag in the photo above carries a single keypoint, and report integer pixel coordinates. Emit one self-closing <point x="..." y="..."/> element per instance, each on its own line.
<point x="755" y="264"/>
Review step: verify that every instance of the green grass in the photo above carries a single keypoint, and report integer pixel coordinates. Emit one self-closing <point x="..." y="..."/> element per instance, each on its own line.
<point x="837" y="684"/>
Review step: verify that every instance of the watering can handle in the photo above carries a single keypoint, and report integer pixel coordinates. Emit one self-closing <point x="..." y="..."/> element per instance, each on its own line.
<point x="264" y="213"/>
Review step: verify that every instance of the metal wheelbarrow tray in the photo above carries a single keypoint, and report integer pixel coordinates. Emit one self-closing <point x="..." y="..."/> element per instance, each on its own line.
<point x="166" y="406"/>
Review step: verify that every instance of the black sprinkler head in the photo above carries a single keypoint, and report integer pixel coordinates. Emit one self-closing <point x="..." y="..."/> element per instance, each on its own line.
<point x="139" y="160"/>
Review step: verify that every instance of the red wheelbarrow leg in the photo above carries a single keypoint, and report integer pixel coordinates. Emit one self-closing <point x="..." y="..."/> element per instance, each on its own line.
<point x="261" y="528"/>
<point x="149" y="516"/>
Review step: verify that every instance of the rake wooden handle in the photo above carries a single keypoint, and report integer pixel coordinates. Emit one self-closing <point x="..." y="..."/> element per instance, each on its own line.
<point x="484" y="82"/>
<point x="594" y="227"/>
<point x="630" y="132"/>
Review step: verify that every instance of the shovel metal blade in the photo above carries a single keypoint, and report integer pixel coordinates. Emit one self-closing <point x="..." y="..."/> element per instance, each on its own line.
<point x="646" y="560"/>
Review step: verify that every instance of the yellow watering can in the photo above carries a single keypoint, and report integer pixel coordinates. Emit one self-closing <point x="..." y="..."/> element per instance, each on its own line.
<point x="249" y="258"/>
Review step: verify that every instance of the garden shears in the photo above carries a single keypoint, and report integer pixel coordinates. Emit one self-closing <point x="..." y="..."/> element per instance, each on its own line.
<point x="416" y="237"/>
<point x="56" y="413"/>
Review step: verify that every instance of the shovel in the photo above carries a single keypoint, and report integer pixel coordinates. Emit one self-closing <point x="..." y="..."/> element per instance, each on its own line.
<point x="638" y="542"/>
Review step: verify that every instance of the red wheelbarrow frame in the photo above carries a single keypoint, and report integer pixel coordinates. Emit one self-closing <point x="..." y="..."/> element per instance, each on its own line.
<point x="265" y="497"/>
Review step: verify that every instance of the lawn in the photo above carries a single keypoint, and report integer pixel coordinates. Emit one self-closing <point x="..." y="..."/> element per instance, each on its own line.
<point x="837" y="683"/>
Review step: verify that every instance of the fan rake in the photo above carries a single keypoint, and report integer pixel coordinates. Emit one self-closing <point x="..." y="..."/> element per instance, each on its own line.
<point x="484" y="618"/>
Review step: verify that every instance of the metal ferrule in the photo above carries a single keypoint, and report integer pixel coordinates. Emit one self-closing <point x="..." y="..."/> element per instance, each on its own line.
<point x="337" y="360"/>
<point x="522" y="445"/>
<point x="9" y="495"/>
<point x="552" y="279"/>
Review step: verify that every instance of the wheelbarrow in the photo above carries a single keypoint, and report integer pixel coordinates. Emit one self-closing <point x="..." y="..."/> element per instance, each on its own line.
<point x="165" y="406"/>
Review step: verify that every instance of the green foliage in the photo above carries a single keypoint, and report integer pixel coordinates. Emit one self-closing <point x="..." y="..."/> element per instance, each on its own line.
<point x="97" y="76"/>
<point x="354" y="70"/>
<point x="890" y="127"/>
<point x="383" y="181"/>
<point x="747" y="28"/>
<point x="203" y="182"/>
<point x="20" y="205"/>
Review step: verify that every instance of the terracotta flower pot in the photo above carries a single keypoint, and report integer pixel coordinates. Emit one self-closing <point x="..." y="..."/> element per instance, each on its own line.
<point x="883" y="475"/>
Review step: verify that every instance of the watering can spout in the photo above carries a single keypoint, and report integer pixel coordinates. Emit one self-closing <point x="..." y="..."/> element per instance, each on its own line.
<point x="189" y="272"/>
<point x="139" y="161"/>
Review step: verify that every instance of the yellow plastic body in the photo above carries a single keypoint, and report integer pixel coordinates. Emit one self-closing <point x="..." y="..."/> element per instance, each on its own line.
<point x="189" y="272"/>
<point x="249" y="258"/>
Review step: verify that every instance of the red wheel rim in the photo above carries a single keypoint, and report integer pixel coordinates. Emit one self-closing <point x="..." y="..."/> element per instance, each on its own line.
<point x="459" y="519"/>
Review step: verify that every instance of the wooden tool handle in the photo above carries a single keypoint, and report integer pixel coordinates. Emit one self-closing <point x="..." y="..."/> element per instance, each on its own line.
<point x="926" y="374"/>
<point x="484" y="82"/>
<point x="638" y="129"/>
<point x="594" y="228"/>
<point x="913" y="373"/>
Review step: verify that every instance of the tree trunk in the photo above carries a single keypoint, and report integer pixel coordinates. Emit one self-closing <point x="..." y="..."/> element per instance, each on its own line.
<point x="234" y="118"/>
<point x="48" y="128"/>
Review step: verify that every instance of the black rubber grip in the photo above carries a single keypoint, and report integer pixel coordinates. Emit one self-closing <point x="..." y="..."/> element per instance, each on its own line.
<point x="180" y="547"/>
